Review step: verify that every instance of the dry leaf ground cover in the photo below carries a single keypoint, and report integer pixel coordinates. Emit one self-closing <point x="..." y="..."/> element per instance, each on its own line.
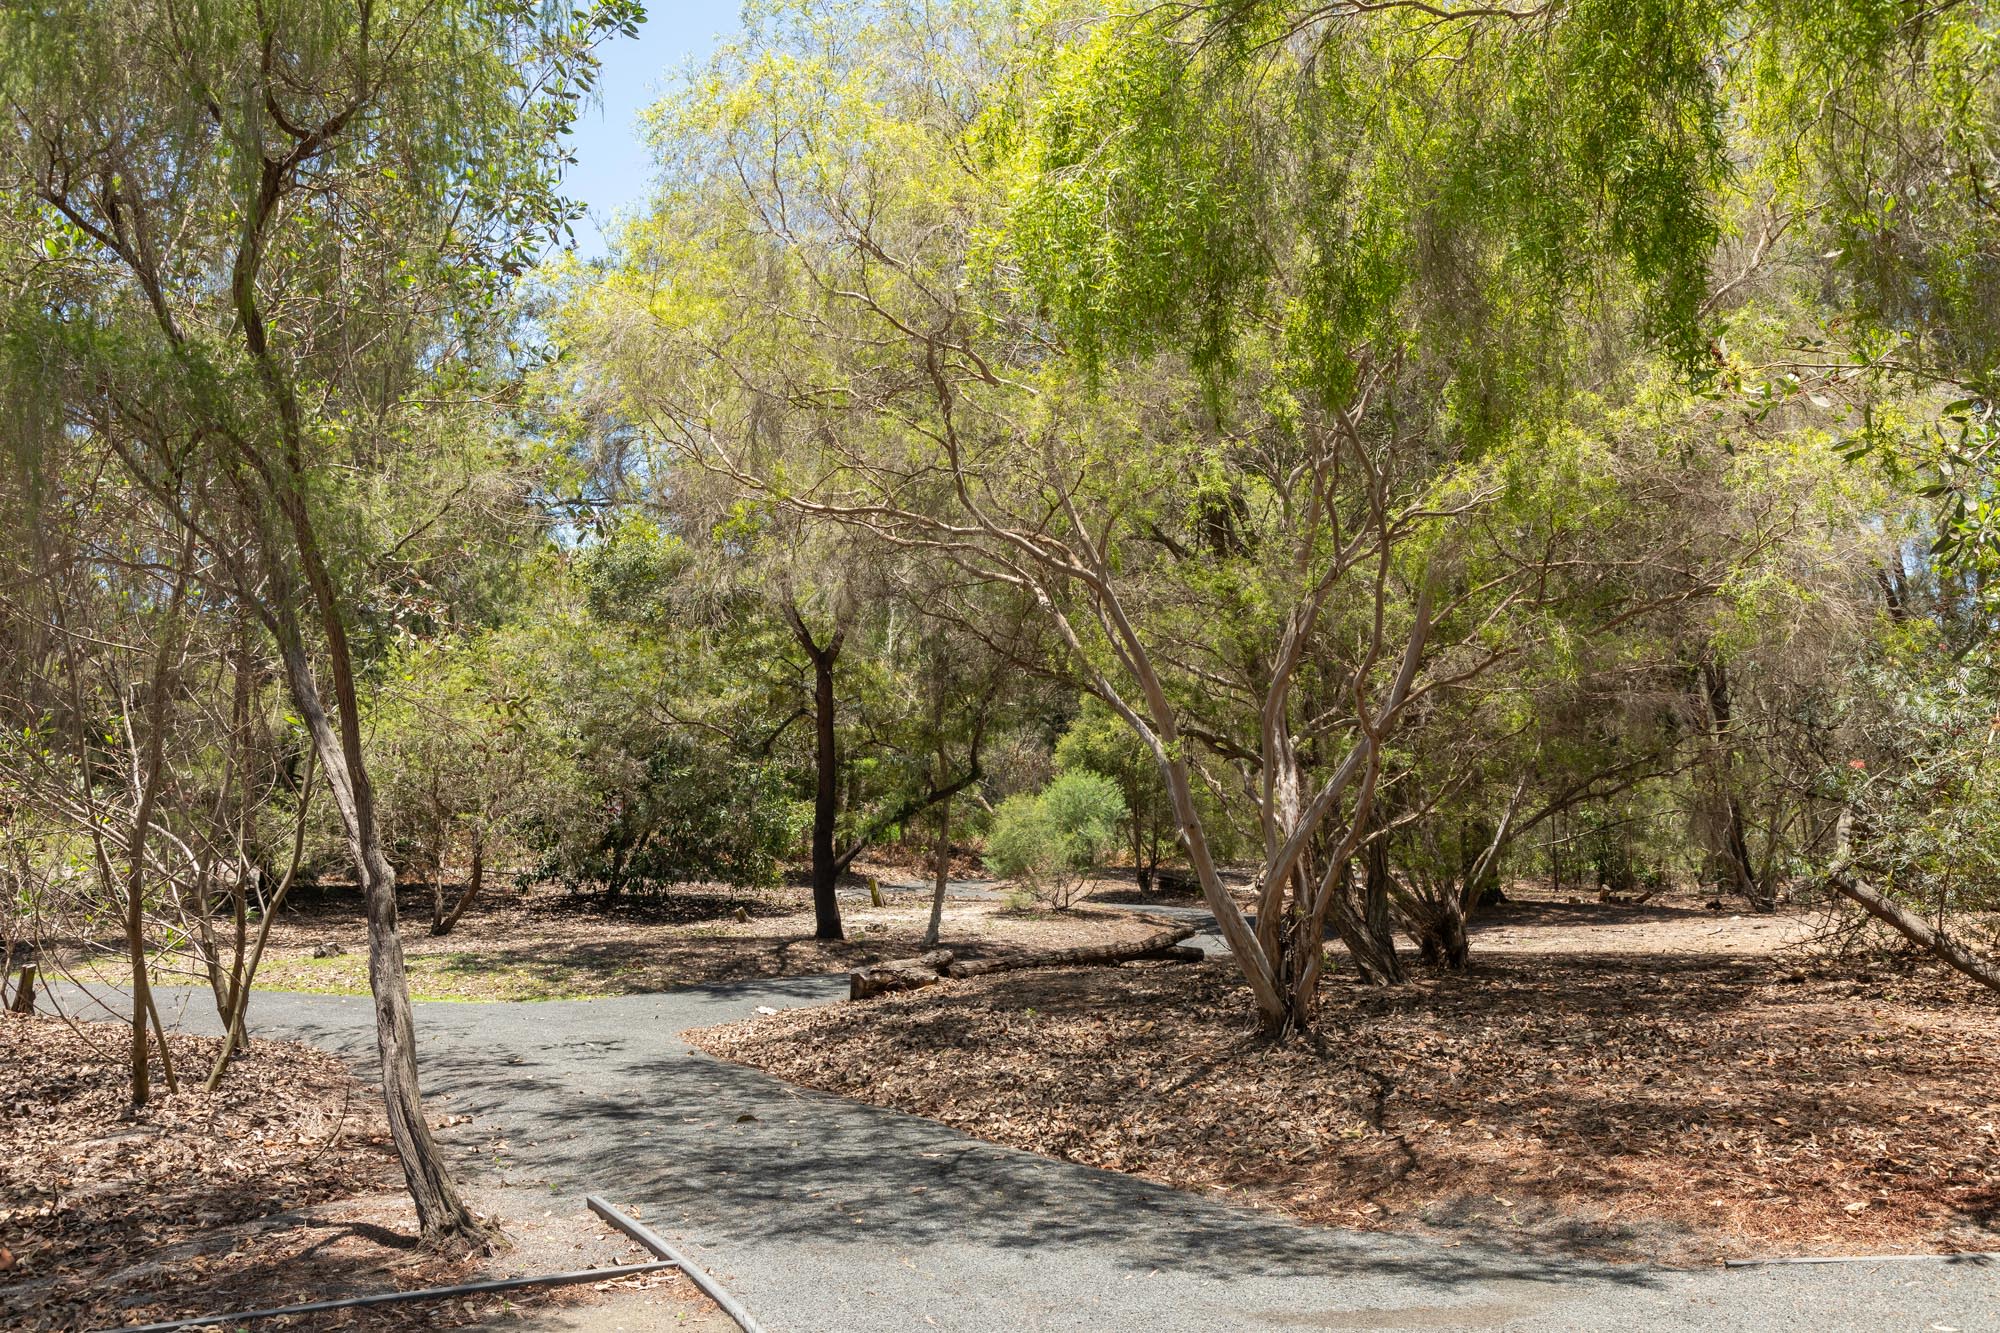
<point x="546" y="944"/>
<point x="1685" y="1103"/>
<point x="276" y="1189"/>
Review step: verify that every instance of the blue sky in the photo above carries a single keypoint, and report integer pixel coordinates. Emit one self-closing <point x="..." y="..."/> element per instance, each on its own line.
<point x="612" y="172"/>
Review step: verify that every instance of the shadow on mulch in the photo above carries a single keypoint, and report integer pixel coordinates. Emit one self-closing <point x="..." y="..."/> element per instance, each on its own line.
<point x="672" y="907"/>
<point x="1675" y="1104"/>
<point x="640" y="966"/>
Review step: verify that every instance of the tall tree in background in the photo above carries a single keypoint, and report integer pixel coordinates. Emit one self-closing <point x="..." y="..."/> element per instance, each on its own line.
<point x="261" y="246"/>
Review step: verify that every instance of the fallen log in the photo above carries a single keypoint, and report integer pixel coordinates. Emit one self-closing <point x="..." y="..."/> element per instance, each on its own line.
<point x="898" y="974"/>
<point x="1131" y="951"/>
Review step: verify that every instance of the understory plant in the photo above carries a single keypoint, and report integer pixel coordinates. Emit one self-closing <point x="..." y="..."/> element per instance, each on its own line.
<point x="1049" y="843"/>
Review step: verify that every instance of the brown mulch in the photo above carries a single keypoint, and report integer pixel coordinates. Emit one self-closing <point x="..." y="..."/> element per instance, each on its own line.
<point x="279" y="1188"/>
<point x="1680" y="1107"/>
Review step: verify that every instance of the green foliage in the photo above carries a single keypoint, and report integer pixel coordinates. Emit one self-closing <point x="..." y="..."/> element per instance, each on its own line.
<point x="1051" y="841"/>
<point x="458" y="758"/>
<point x="675" y="812"/>
<point x="1924" y="781"/>
<point x="1382" y="184"/>
<point x="1099" y="742"/>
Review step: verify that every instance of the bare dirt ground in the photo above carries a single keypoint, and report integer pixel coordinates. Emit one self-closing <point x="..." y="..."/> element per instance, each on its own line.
<point x="1666" y="1081"/>
<point x="545" y="944"/>
<point x="276" y="1189"/>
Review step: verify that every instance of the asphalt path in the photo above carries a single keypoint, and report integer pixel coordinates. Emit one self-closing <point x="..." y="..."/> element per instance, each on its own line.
<point x="827" y="1216"/>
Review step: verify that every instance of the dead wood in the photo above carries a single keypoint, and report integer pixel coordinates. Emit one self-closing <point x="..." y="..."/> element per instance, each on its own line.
<point x="24" y="992"/>
<point x="1152" y="945"/>
<point x="1900" y="919"/>
<point x="898" y="974"/>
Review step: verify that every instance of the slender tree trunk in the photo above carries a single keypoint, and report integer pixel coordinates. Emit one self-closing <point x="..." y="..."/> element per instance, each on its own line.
<point x="826" y="866"/>
<point x="475" y="875"/>
<point x="942" y="875"/>
<point x="825" y="874"/>
<point x="442" y="1216"/>
<point x="235" y="1040"/>
<point x="135" y="947"/>
<point x="1380" y="926"/>
<point x="1735" y="849"/>
<point x="148" y="781"/>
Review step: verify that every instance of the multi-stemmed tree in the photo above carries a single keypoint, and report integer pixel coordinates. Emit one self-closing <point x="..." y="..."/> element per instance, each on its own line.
<point x="1214" y="332"/>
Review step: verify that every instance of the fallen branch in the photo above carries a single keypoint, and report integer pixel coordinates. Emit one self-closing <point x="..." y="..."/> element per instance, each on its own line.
<point x="1899" y="918"/>
<point x="1158" y="945"/>
<point x="898" y="974"/>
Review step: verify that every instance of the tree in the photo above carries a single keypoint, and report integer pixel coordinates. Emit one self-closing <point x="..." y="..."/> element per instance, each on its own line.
<point x="459" y="759"/>
<point x="1223" y="404"/>
<point x="259" y="243"/>
<point x="1099" y="742"/>
<point x="1053" y="840"/>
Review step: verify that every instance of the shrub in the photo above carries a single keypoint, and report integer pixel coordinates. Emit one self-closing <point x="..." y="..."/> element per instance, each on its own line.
<point x="1050" y="842"/>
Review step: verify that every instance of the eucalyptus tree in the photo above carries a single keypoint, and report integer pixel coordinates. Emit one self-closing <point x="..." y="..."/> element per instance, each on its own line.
<point x="1211" y="330"/>
<point x="264" y="251"/>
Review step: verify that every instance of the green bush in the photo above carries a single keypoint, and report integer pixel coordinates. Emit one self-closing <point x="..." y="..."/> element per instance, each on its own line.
<point x="1049" y="843"/>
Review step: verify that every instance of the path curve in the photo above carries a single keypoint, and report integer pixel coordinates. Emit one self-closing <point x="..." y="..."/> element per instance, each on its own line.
<point x="828" y="1216"/>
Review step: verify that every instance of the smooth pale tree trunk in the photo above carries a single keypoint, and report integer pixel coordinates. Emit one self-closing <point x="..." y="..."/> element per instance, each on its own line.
<point x="445" y="1221"/>
<point x="442" y="1216"/>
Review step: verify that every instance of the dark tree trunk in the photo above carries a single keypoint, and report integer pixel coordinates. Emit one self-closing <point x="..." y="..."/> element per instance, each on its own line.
<point x="1361" y="917"/>
<point x="1373" y="953"/>
<point x="1734" y="853"/>
<point x="1441" y="937"/>
<point x="1376" y="920"/>
<point x="825" y="873"/>
<point x="826" y="866"/>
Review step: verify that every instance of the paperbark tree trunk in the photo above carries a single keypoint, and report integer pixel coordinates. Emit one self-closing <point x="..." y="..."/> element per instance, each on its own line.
<point x="1366" y="929"/>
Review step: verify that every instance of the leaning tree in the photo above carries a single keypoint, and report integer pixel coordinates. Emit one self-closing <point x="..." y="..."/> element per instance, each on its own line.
<point x="265" y="250"/>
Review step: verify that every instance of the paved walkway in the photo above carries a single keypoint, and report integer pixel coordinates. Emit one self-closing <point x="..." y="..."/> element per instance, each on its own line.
<point x="826" y="1216"/>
